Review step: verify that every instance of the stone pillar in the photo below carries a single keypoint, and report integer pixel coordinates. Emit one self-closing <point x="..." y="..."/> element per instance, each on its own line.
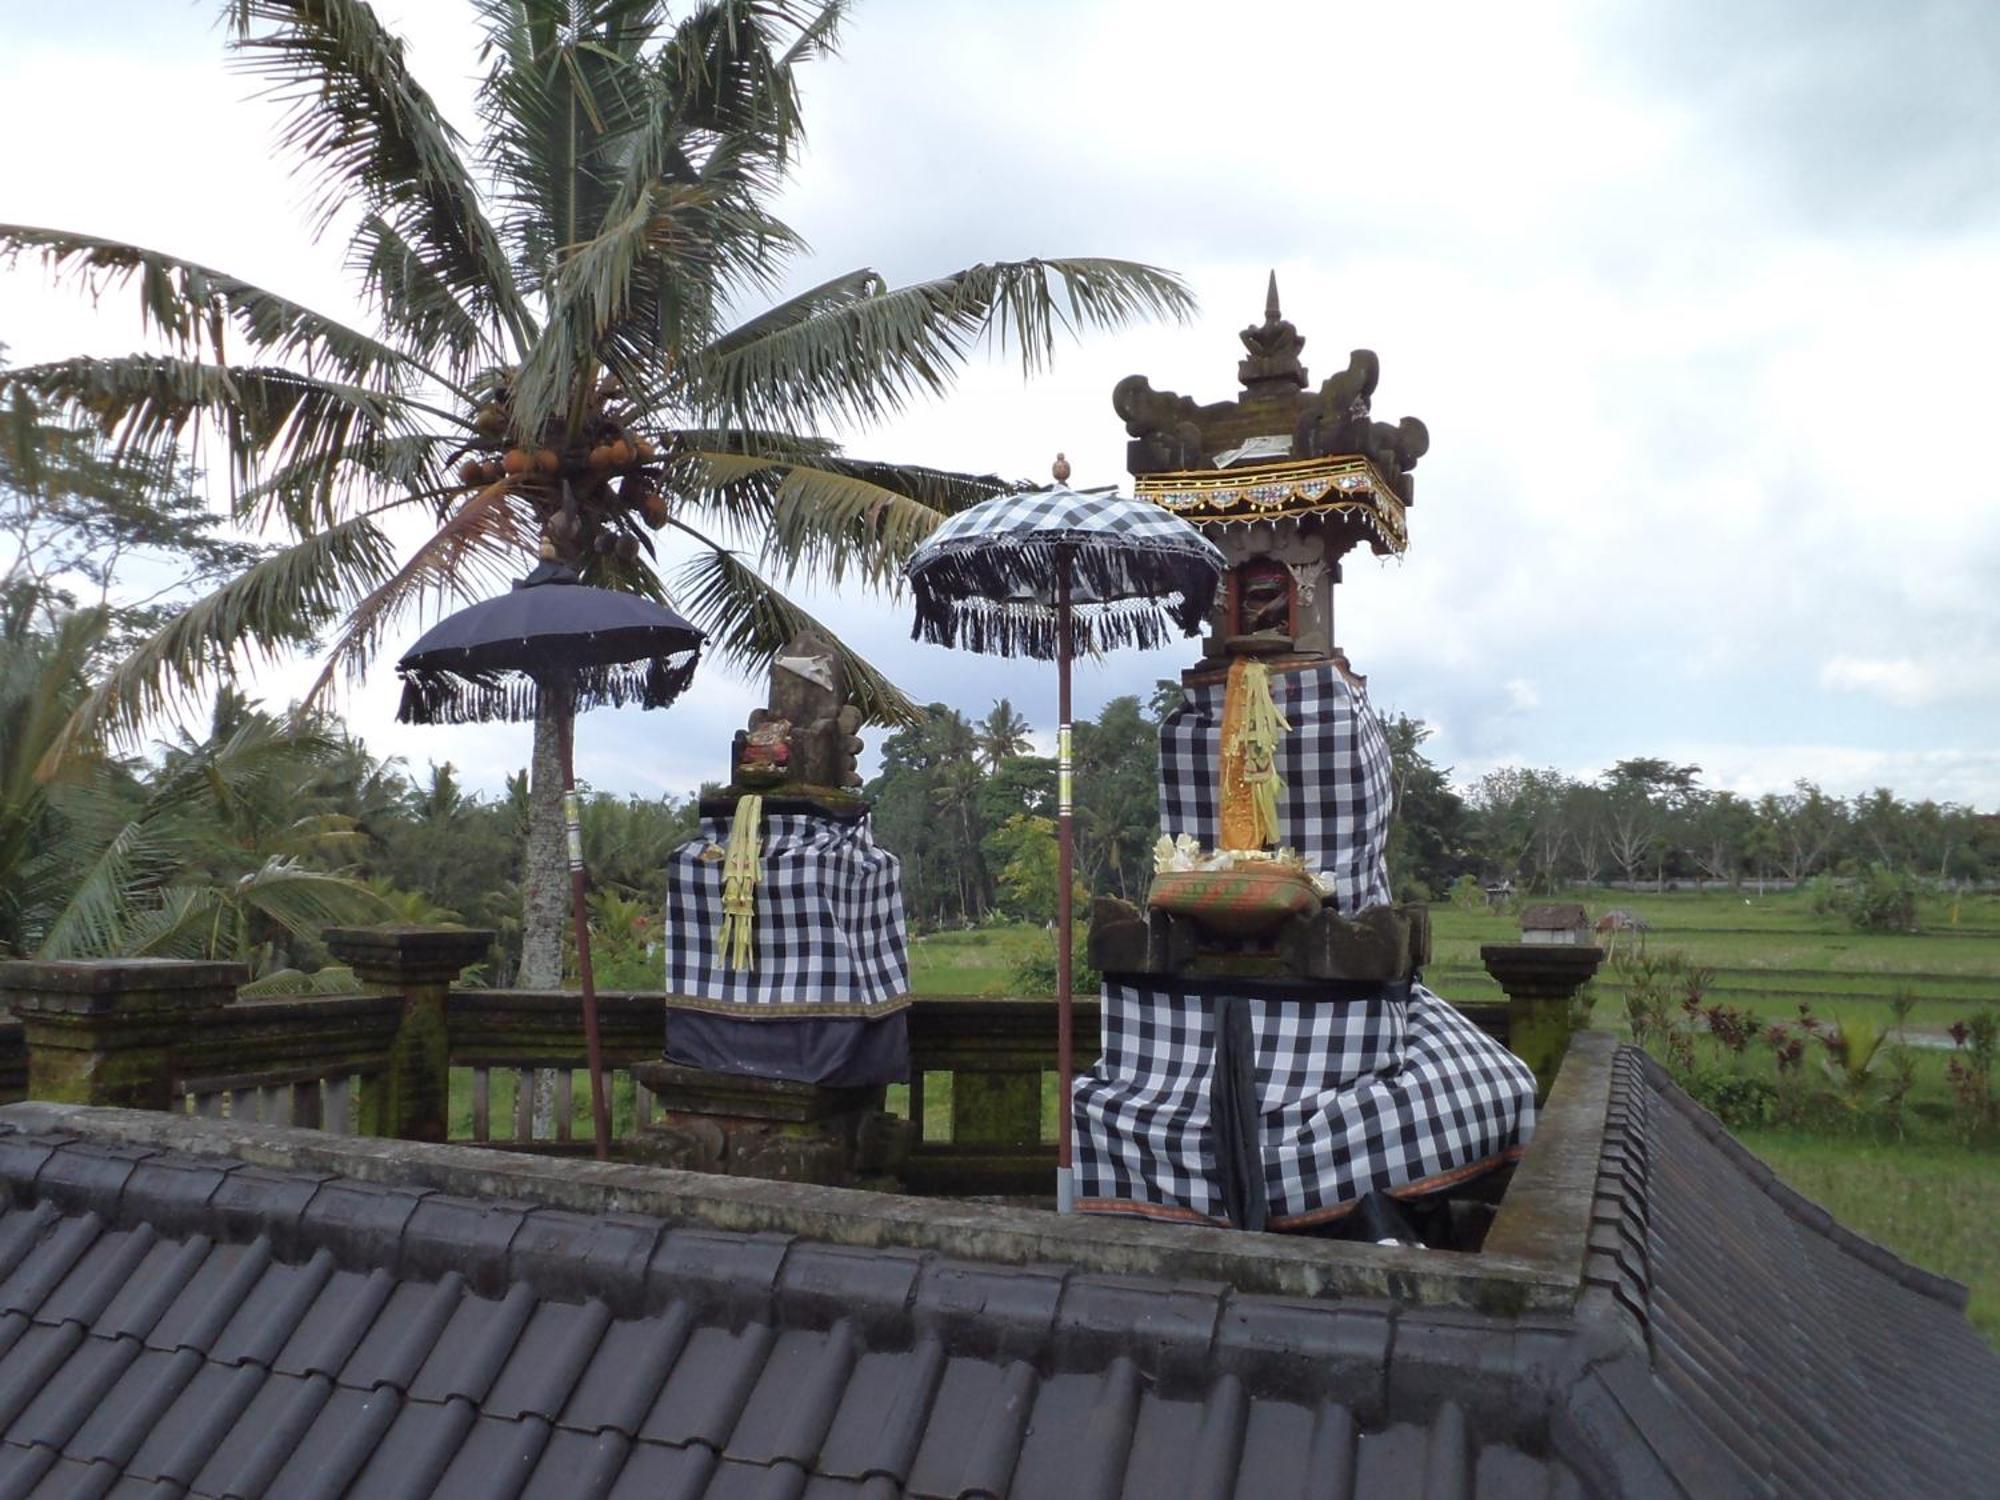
<point x="1541" y="980"/>
<point x="104" y="1031"/>
<point x="410" y="1100"/>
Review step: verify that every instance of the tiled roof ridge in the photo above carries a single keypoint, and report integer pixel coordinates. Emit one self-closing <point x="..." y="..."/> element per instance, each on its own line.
<point x="1180" y="1336"/>
<point x="1795" y="1205"/>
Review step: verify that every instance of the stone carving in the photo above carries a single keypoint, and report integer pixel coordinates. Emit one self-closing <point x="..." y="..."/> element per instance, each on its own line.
<point x="808" y="737"/>
<point x="1170" y="432"/>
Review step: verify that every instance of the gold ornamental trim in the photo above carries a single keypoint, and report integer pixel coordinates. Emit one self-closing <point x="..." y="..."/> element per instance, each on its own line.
<point x="1212" y="497"/>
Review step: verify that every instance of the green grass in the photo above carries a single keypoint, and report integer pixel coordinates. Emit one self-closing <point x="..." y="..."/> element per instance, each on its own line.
<point x="977" y="961"/>
<point x="1770" y="953"/>
<point x="1936" y="1205"/>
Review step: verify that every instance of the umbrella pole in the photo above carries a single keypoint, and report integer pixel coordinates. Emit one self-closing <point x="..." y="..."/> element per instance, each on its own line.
<point x="600" y="1113"/>
<point x="1065" y="865"/>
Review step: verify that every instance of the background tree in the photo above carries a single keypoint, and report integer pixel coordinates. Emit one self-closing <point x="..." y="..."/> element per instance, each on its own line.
<point x="556" y="352"/>
<point x="1428" y="834"/>
<point x="1003" y="734"/>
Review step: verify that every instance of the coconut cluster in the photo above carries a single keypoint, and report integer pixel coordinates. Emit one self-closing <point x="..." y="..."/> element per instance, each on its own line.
<point x="587" y="488"/>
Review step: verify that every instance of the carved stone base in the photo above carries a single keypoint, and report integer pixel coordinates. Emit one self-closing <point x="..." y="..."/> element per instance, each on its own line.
<point x="1383" y="943"/>
<point x="772" y="1128"/>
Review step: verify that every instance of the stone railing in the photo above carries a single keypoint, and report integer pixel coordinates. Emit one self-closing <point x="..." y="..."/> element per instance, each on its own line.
<point x="393" y="1059"/>
<point x="414" y="1058"/>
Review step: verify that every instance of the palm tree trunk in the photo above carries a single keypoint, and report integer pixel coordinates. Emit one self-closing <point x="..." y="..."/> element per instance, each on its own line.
<point x="544" y="869"/>
<point x="544" y="894"/>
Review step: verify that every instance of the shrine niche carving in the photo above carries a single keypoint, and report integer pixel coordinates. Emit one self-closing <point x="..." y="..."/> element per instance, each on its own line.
<point x="1286" y="478"/>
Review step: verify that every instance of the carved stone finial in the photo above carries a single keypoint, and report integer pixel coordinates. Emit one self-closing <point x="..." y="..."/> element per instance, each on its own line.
<point x="1060" y="469"/>
<point x="1273" y="345"/>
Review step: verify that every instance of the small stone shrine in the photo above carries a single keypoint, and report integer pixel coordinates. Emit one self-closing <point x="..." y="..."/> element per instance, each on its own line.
<point x="787" y="960"/>
<point x="1271" y="1056"/>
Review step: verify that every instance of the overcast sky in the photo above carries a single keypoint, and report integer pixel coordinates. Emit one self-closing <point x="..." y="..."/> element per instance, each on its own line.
<point x="1698" y="300"/>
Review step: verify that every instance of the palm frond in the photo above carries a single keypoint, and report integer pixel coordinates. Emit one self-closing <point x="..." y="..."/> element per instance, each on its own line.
<point x="415" y="302"/>
<point x="817" y="522"/>
<point x="843" y="352"/>
<point x="485" y="536"/>
<point x="191" y="305"/>
<point x="374" y="135"/>
<point x="156" y="404"/>
<point x="280" y="601"/>
<point x="334" y="979"/>
<point x="749" y="622"/>
<point x="100" y="908"/>
<point x="305" y="902"/>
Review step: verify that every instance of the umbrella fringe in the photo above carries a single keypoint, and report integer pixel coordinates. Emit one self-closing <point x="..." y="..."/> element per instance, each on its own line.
<point x="443" y="697"/>
<point x="994" y="629"/>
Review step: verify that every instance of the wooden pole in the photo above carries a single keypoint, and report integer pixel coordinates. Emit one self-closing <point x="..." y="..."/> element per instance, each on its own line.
<point x="600" y="1110"/>
<point x="1065" y="866"/>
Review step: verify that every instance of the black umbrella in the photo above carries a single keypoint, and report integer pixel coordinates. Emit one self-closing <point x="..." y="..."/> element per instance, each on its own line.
<point x="1049" y="573"/>
<point x="553" y="645"/>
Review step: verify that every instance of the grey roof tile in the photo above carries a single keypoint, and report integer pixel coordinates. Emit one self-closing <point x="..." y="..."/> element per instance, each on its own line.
<point x="250" y="1332"/>
<point x="330" y="1331"/>
<point x="731" y="1274"/>
<point x="651" y="1471"/>
<point x="414" y="1452"/>
<point x="256" y="1447"/>
<point x="337" y="1445"/>
<point x="495" y="1460"/>
<point x="209" y="1298"/>
<point x="470" y="1235"/>
<point x="548" y="1359"/>
<point x="474" y="1343"/>
<point x="98" y="1276"/>
<point x="1079" y="1435"/>
<point x="272" y="1312"/>
<point x="28" y="1286"/>
<point x="72" y="1391"/>
<point x="796" y="1397"/>
<point x="711" y="1382"/>
<point x="403" y="1333"/>
<point x="633" y="1361"/>
<point x="871" y="1288"/>
<point x="152" y="1287"/>
<point x="574" y="1256"/>
<point x="989" y="1310"/>
<point x="883" y="1413"/>
<point x="966" y="1392"/>
<point x="360" y="1222"/>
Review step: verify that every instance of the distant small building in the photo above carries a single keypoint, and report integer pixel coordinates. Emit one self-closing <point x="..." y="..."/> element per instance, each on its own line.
<point x="1563" y="923"/>
<point x="1498" y="892"/>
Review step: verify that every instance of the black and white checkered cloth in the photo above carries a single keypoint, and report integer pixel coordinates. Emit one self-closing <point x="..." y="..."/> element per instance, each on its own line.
<point x="1338" y="1116"/>
<point x="830" y="938"/>
<point x="1339" y="789"/>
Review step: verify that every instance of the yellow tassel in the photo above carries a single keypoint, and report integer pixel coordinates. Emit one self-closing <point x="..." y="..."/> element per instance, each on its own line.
<point x="1252" y="729"/>
<point x="742" y="869"/>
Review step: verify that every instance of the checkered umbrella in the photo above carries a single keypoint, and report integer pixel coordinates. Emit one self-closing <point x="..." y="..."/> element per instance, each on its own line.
<point x="553" y="645"/>
<point x="1049" y="573"/>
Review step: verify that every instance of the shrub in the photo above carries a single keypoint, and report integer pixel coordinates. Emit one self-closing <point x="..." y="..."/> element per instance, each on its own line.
<point x="1878" y="900"/>
<point x="1739" y="1101"/>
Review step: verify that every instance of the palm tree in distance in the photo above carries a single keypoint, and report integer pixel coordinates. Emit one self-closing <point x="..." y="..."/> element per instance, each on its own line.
<point x="1002" y="733"/>
<point x="555" y="354"/>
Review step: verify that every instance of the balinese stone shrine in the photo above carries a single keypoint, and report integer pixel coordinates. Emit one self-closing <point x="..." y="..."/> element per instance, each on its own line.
<point x="320" y="1247"/>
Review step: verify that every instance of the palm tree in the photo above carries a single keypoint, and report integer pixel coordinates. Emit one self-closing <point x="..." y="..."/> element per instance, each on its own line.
<point x="214" y="854"/>
<point x="555" y="355"/>
<point x="1002" y="734"/>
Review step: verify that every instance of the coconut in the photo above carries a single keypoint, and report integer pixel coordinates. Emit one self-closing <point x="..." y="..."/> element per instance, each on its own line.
<point x="653" y="507"/>
<point x="621" y="453"/>
<point x="548" y="460"/>
<point x="490" y="421"/>
<point x="600" y="456"/>
<point x="517" y="461"/>
<point x="472" y="471"/>
<point x="628" y="549"/>
<point x="644" y="449"/>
